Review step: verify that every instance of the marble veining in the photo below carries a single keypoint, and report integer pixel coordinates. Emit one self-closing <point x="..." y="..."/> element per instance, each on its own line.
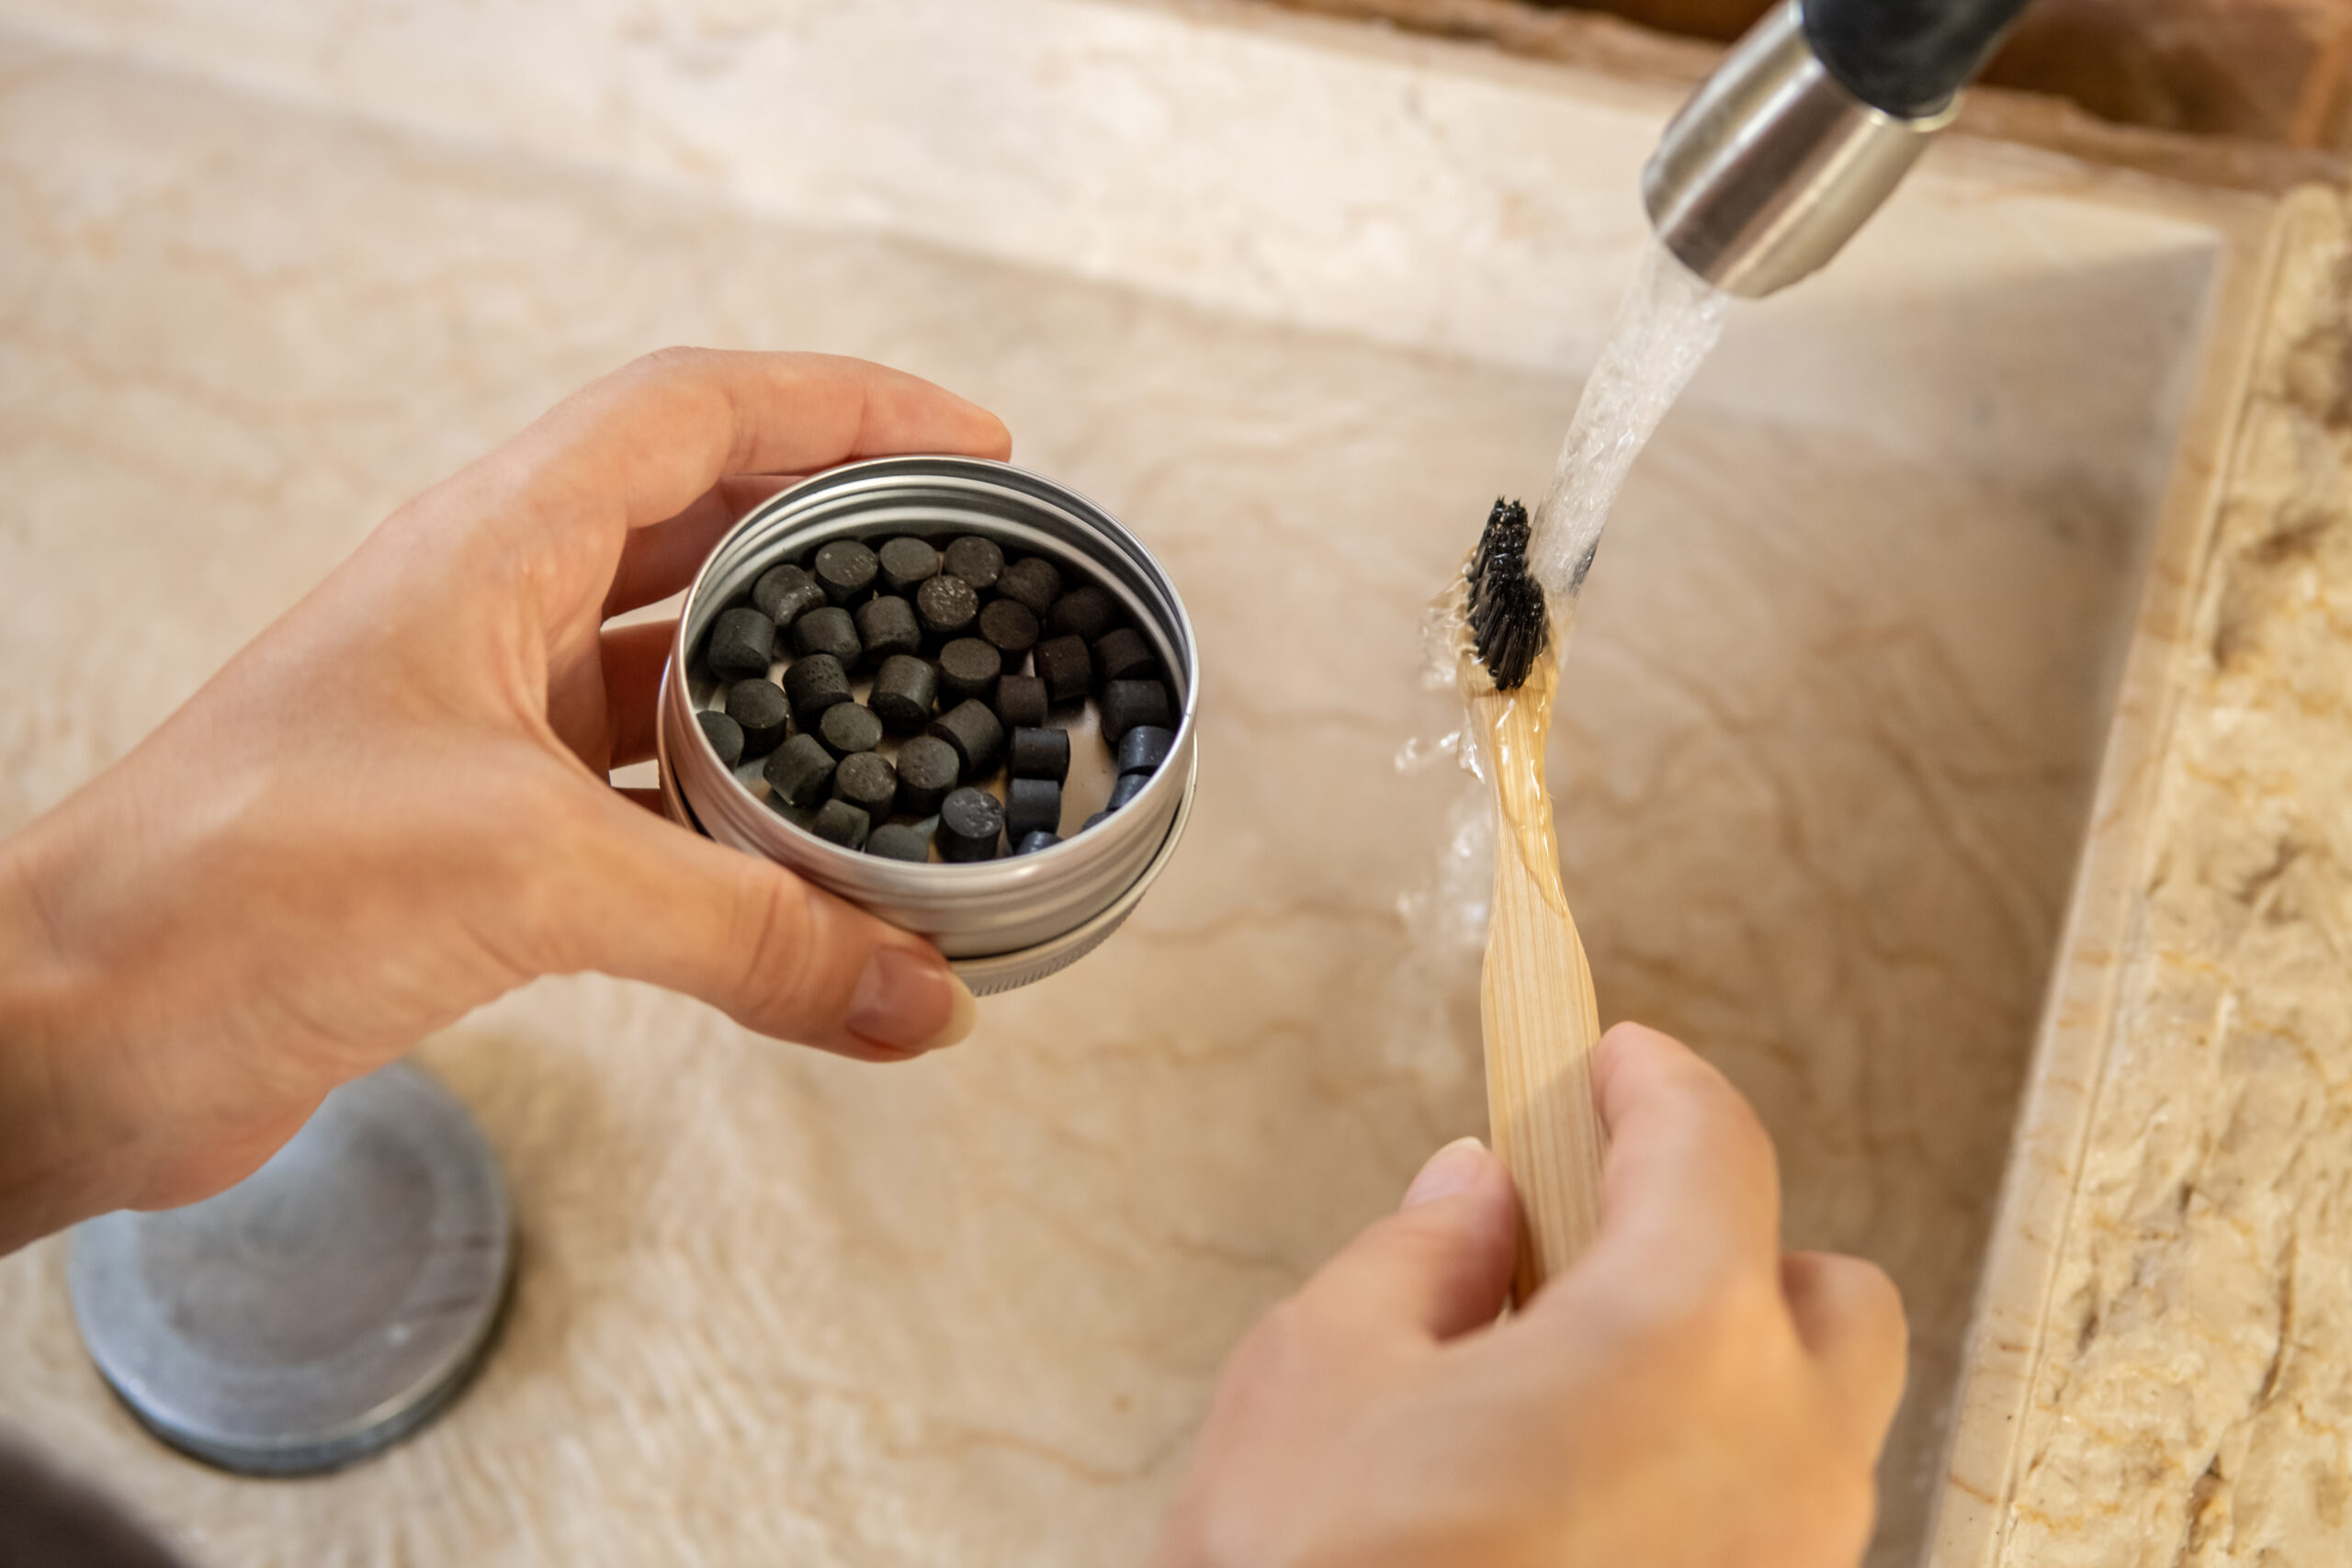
<point x="1836" y="702"/>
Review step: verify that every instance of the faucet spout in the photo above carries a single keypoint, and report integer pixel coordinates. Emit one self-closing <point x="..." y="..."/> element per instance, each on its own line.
<point x="1807" y="127"/>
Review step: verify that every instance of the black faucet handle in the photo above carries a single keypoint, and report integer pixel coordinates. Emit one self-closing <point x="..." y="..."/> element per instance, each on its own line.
<point x="1906" y="58"/>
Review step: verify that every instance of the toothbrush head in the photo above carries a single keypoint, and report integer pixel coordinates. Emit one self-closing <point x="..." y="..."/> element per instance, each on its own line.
<point x="1509" y="621"/>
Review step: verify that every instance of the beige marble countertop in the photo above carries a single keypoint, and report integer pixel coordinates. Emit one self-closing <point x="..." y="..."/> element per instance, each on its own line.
<point x="2192" y="1403"/>
<point x="258" y="282"/>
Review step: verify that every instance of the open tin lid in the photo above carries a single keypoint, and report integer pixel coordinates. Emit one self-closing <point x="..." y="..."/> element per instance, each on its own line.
<point x="322" y="1309"/>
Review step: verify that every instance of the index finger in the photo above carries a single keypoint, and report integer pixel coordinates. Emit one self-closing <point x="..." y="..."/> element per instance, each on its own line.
<point x="642" y="445"/>
<point x="1692" y="1190"/>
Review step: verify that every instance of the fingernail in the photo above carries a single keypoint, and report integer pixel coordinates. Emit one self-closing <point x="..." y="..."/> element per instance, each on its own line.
<point x="1451" y="1169"/>
<point x="900" y="997"/>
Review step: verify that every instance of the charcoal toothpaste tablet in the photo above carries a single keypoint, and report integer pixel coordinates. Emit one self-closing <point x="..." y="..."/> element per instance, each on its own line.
<point x="801" y="771"/>
<point x="1126" y="704"/>
<point x="904" y="689"/>
<point x="829" y="630"/>
<point x="1122" y="655"/>
<point x="759" y="708"/>
<point x="814" y="683"/>
<point x="784" y="592"/>
<point x="846" y="570"/>
<point x="1129" y="786"/>
<point x="977" y="560"/>
<point x="742" y="644"/>
<point x="947" y="606"/>
<point x="1096" y="820"/>
<point x="1033" y="842"/>
<point x="1086" y="611"/>
<point x="1039" y="754"/>
<point x="726" y="736"/>
<point x="867" y="781"/>
<point x="970" y="823"/>
<point x="1066" y="669"/>
<point x="1032" y="806"/>
<point x="967" y="668"/>
<point x="886" y="626"/>
<point x="1010" y="627"/>
<point x="1144" y="748"/>
<point x="849" y="727"/>
<point x="975" y="733"/>
<point x="1035" y="581"/>
<point x="1021" y="701"/>
<point x="905" y="562"/>
<point x="842" y="823"/>
<point x="898" y="842"/>
<point x="928" y="768"/>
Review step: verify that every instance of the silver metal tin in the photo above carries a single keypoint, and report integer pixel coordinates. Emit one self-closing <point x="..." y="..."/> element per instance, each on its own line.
<point x="1003" y="923"/>
<point x="325" y="1307"/>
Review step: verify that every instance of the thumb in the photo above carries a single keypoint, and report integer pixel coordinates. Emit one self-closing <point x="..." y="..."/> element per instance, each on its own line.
<point x="651" y="901"/>
<point x="1439" y="1266"/>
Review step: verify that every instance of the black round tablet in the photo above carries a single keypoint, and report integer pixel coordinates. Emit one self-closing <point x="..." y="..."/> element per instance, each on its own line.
<point x="758" y="707"/>
<point x="1126" y="704"/>
<point x="904" y="689"/>
<point x="1010" y="627"/>
<point x="977" y="560"/>
<point x="814" y="683"/>
<point x="1066" y="667"/>
<point x="867" y="781"/>
<point x="968" y="668"/>
<point x="800" y="771"/>
<point x="1122" y="655"/>
<point x="1086" y="611"/>
<point x="846" y="570"/>
<point x="784" y="592"/>
<point x="1035" y="753"/>
<point x="842" y="823"/>
<point x="928" y="768"/>
<point x="1035" y="581"/>
<point x="970" y="823"/>
<point x="1031" y="844"/>
<point x="886" y="625"/>
<point x="1021" y="700"/>
<point x="726" y="736"/>
<point x="829" y="630"/>
<point x="1144" y="748"/>
<point x="849" y="727"/>
<point x="976" y="733"/>
<point x="905" y="562"/>
<point x="742" y="644"/>
<point x="947" y="606"/>
<point x="1032" y="806"/>
<point x="896" y="840"/>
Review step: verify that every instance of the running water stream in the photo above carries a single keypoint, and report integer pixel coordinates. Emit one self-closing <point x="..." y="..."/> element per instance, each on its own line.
<point x="1666" y="324"/>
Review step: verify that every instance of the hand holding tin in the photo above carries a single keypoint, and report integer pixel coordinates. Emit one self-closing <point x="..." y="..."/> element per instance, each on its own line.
<point x="392" y="807"/>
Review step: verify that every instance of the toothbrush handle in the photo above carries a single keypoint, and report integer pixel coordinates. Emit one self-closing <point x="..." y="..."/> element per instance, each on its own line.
<point x="1541" y="1026"/>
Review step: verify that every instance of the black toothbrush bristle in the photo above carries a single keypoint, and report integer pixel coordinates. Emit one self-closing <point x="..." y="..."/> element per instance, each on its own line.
<point x="1508" y="622"/>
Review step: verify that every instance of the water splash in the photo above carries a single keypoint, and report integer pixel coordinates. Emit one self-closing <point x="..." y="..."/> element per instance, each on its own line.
<point x="1666" y="324"/>
<point x="1665" y="327"/>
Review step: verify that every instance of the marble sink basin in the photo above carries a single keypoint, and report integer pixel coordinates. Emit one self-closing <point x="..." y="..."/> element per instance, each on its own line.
<point x="1295" y="304"/>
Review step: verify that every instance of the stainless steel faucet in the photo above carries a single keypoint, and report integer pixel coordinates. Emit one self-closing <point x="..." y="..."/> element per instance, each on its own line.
<point x="1807" y="127"/>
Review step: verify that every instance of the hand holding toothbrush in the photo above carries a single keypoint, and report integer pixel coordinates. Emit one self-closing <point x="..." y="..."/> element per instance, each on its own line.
<point x="1686" y="1395"/>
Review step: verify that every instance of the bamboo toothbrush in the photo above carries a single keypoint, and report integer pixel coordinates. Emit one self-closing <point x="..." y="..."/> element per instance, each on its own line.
<point x="1536" y="993"/>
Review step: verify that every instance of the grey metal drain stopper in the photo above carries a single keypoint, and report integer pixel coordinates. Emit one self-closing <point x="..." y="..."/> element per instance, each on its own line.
<point x="322" y="1308"/>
